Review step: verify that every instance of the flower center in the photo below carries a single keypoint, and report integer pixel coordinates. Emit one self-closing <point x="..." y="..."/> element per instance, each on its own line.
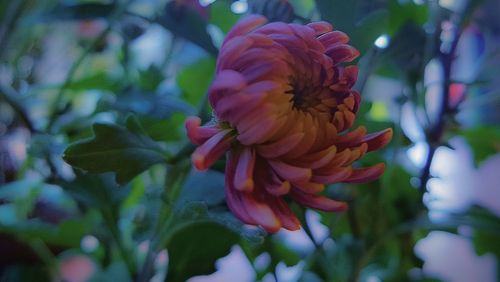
<point x="309" y="99"/>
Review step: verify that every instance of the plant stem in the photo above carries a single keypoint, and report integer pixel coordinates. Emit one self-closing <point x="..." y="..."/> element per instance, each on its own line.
<point x="10" y="96"/>
<point x="434" y="135"/>
<point x="112" y="224"/>
<point x="10" y="17"/>
<point x="58" y="105"/>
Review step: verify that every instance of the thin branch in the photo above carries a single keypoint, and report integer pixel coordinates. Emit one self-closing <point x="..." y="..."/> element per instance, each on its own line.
<point x="11" y="97"/>
<point x="58" y="104"/>
<point x="436" y="131"/>
<point x="11" y="16"/>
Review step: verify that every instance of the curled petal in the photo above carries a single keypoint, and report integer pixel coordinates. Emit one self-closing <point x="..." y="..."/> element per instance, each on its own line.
<point x="378" y="140"/>
<point x="210" y="151"/>
<point x="278" y="188"/>
<point x="309" y="187"/>
<point x="352" y="138"/>
<point x="342" y="53"/>
<point x="227" y="81"/>
<point x="244" y="26"/>
<point x="261" y="213"/>
<point x="320" y="27"/>
<point x="285" y="214"/>
<point x="199" y="134"/>
<point x="321" y="158"/>
<point x="318" y="202"/>
<point x="360" y="175"/>
<point x="243" y="177"/>
<point x="233" y="196"/>
<point x="280" y="147"/>
<point x="333" y="37"/>
<point x="290" y="172"/>
<point x="334" y="175"/>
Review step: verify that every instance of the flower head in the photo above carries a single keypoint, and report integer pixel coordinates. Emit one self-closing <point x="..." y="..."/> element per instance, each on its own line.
<point x="283" y="103"/>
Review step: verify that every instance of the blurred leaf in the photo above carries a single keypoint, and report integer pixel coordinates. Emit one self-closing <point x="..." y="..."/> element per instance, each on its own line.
<point x="273" y="10"/>
<point x="160" y="106"/>
<point x="171" y="129"/>
<point x="96" y="190"/>
<point x="362" y="25"/>
<point x="484" y="141"/>
<point x="191" y="254"/>
<point x="26" y="198"/>
<point x="206" y="186"/>
<point x="281" y="252"/>
<point x="195" y="79"/>
<point x="150" y="78"/>
<point x="66" y="234"/>
<point x="379" y="112"/>
<point x="81" y="11"/>
<point x="368" y="29"/>
<point x="22" y="272"/>
<point x="136" y="193"/>
<point x="403" y="12"/>
<point x="187" y="23"/>
<point x="222" y="16"/>
<point x="115" y="272"/>
<point x="100" y="81"/>
<point x="126" y="151"/>
<point x="406" y="49"/>
<point x="401" y="201"/>
<point x="485" y="242"/>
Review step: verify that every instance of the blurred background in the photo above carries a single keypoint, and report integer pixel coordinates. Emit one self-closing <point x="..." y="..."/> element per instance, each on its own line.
<point x="117" y="79"/>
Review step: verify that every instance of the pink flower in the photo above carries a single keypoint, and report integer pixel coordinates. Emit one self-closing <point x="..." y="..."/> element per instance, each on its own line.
<point x="283" y="103"/>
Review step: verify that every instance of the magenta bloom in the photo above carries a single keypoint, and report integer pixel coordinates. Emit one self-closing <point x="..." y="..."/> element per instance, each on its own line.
<point x="283" y="103"/>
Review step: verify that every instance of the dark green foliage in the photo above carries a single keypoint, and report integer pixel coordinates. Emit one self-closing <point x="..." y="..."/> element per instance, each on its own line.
<point x="126" y="151"/>
<point x="194" y="248"/>
<point x="485" y="142"/>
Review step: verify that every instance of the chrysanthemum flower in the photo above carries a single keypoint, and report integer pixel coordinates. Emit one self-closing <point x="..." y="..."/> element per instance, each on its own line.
<point x="283" y="103"/>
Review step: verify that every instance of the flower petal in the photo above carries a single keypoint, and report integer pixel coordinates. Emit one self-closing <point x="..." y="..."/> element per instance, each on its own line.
<point x="318" y="202"/>
<point x="280" y="147"/>
<point x="320" y="27"/>
<point x="243" y="177"/>
<point x="244" y="26"/>
<point x="210" y="151"/>
<point x="360" y="175"/>
<point x="290" y="172"/>
<point x="335" y="175"/>
<point x="378" y="140"/>
<point x="199" y="134"/>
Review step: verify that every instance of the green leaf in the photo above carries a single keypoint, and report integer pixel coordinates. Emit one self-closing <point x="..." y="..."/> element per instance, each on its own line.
<point x="96" y="190"/>
<point x="348" y="16"/>
<point x="126" y="151"/>
<point x="191" y="254"/>
<point x="187" y="23"/>
<point x="115" y="272"/>
<point x="484" y="141"/>
<point x="195" y="79"/>
<point x="403" y="12"/>
<point x="100" y="81"/>
<point x="484" y="243"/>
<point x="83" y="11"/>
<point x="406" y="50"/>
<point x="206" y="186"/>
<point x="147" y="104"/>
<point x="221" y="15"/>
<point x="66" y="234"/>
<point x="150" y="78"/>
<point x="156" y="128"/>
